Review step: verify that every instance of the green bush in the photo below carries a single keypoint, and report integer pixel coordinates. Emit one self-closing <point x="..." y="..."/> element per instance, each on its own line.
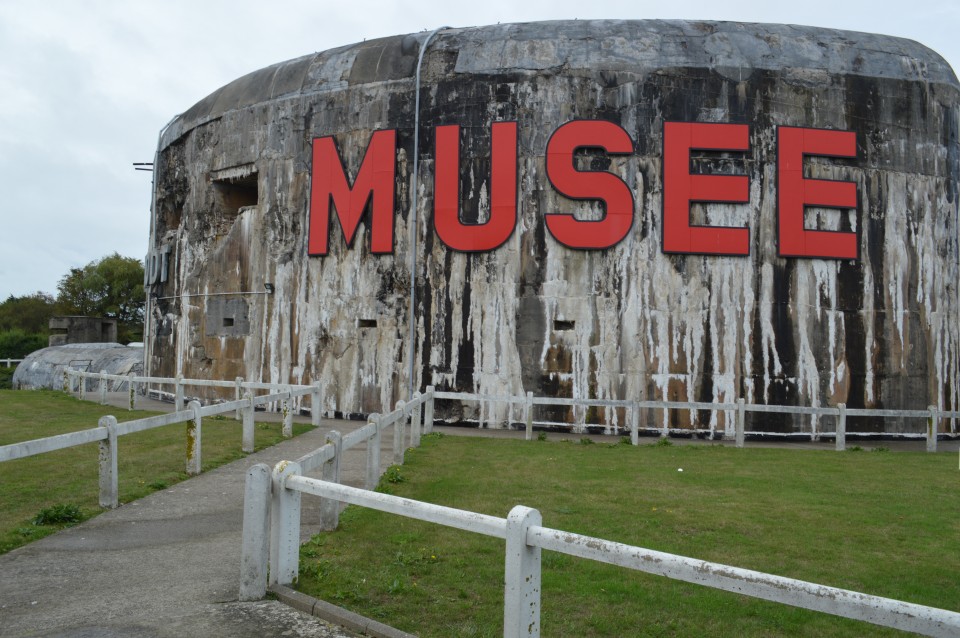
<point x="6" y="377"/>
<point x="60" y="514"/>
<point x="16" y="343"/>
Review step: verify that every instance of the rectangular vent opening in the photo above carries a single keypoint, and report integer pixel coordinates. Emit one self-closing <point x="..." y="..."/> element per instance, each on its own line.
<point x="170" y="217"/>
<point x="234" y="189"/>
<point x="366" y="323"/>
<point x="560" y="324"/>
<point x="228" y="322"/>
<point x="234" y="194"/>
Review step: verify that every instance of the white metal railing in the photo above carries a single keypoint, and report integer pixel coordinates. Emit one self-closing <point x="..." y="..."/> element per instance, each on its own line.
<point x="260" y="521"/>
<point x="283" y="397"/>
<point x="108" y="430"/>
<point x="839" y="413"/>
<point x="8" y="363"/>
<point x="932" y="416"/>
<point x="277" y="518"/>
<point x="271" y="542"/>
<point x="76" y="381"/>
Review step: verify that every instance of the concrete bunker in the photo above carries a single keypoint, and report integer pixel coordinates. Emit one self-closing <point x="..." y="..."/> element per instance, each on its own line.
<point x="636" y="319"/>
<point x="44" y="369"/>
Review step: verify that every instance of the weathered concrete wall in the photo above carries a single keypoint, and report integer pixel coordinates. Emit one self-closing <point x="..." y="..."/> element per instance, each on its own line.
<point x="233" y="187"/>
<point x="66" y="330"/>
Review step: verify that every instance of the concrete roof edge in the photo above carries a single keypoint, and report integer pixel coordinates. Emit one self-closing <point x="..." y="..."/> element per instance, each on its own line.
<point x="886" y="56"/>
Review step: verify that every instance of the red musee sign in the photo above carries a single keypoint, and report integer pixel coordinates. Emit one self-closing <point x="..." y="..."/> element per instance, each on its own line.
<point x="374" y="184"/>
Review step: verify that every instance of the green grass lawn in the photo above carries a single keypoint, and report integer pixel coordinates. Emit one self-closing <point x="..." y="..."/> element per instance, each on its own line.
<point x="147" y="461"/>
<point x="883" y="523"/>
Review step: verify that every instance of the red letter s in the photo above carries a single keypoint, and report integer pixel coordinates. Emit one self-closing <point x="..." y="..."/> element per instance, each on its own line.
<point x="607" y="187"/>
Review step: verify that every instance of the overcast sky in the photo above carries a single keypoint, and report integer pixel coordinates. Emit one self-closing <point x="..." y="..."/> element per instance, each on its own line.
<point x="85" y="88"/>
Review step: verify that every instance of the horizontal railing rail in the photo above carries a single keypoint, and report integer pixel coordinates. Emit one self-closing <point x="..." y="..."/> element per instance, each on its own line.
<point x="839" y="413"/>
<point x="735" y="411"/>
<point x="9" y="363"/>
<point x="522" y="590"/>
<point x="109" y="429"/>
<point x="421" y="410"/>
<point x="409" y="421"/>
<point x="50" y="444"/>
<point x="276" y="517"/>
<point x="271" y="540"/>
<point x="76" y="381"/>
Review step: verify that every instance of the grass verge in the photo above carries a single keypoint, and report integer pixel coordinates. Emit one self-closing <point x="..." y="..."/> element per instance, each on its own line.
<point x="880" y="523"/>
<point x="36" y="491"/>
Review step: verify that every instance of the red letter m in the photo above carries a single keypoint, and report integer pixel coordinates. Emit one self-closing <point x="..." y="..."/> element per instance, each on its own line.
<point x="375" y="179"/>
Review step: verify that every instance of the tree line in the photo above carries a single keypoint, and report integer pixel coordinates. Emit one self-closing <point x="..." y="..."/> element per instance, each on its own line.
<point x="110" y="287"/>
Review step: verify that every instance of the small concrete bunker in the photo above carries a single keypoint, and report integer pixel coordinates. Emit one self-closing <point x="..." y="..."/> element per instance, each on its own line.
<point x="694" y="211"/>
<point x="44" y="369"/>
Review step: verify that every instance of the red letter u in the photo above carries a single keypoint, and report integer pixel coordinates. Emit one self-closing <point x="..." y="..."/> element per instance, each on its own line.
<point x="491" y="234"/>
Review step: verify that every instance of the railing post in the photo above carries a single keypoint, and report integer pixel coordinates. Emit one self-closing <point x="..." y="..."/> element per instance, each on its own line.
<point x="286" y="406"/>
<point x="528" y="417"/>
<point x="316" y="404"/>
<point x="428" y="411"/>
<point x="255" y="546"/>
<point x="932" y="424"/>
<point x="194" y="432"/>
<point x="842" y="427"/>
<point x="635" y="424"/>
<point x="740" y="434"/>
<point x="132" y="391"/>
<point x="178" y="393"/>
<point x="415" y="420"/>
<point x="373" y="453"/>
<point x="398" y="435"/>
<point x="237" y="395"/>
<point x="109" y="491"/>
<point x="247" y="443"/>
<point x="66" y="379"/>
<point x="83" y="387"/>
<point x="285" y="526"/>
<point x="330" y="508"/>
<point x="103" y="387"/>
<point x="521" y="595"/>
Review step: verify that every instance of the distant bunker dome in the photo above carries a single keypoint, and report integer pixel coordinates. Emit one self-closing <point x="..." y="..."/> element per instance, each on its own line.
<point x="640" y="210"/>
<point x="44" y="369"/>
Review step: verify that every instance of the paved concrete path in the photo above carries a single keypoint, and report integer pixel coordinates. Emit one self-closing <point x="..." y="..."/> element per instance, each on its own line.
<point x="167" y="565"/>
